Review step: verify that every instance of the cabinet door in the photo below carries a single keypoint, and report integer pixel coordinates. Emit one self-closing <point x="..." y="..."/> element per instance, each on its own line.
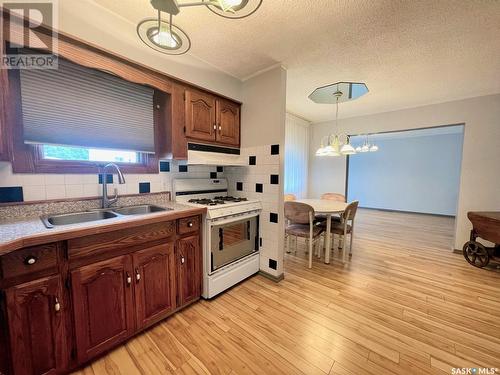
<point x="37" y="315"/>
<point x="228" y="123"/>
<point x="102" y="300"/>
<point x="155" y="286"/>
<point x="200" y="116"/>
<point x="188" y="269"/>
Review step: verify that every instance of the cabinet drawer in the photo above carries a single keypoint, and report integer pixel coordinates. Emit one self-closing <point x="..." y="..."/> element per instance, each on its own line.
<point x="29" y="260"/>
<point x="188" y="225"/>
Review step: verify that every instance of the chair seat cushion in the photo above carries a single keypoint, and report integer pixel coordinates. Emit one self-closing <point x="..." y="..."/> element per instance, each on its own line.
<point x="338" y="228"/>
<point x="322" y="218"/>
<point x="302" y="230"/>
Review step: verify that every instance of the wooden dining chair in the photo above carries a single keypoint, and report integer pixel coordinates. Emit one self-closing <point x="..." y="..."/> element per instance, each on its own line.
<point x="345" y="227"/>
<point x="301" y="219"/>
<point x="288" y="198"/>
<point x="333" y="197"/>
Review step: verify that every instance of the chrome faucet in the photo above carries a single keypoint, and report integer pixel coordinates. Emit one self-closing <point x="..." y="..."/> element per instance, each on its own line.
<point x="106" y="201"/>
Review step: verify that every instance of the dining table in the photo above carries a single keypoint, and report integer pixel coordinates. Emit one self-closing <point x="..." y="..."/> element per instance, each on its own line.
<point x="327" y="208"/>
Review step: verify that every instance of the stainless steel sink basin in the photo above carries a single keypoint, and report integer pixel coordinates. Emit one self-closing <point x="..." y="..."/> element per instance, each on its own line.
<point x="76" y="218"/>
<point x="139" y="210"/>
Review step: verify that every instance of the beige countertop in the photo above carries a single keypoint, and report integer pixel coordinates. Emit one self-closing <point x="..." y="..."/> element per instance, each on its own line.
<point x="30" y="231"/>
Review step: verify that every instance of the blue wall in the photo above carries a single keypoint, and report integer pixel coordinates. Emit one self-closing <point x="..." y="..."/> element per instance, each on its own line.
<point x="417" y="174"/>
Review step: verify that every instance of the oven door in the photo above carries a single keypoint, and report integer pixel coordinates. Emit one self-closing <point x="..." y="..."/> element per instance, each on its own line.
<point x="233" y="239"/>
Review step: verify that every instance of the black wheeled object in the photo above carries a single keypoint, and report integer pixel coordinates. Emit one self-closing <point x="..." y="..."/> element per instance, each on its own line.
<point x="485" y="225"/>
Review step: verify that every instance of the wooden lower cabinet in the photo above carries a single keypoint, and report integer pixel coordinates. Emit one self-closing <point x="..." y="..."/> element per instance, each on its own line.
<point x="86" y="296"/>
<point x="103" y="305"/>
<point x="37" y="315"/>
<point x="155" y="284"/>
<point x="188" y="254"/>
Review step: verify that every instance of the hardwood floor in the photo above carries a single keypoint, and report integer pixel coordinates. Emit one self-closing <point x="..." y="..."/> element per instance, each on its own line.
<point x="404" y="304"/>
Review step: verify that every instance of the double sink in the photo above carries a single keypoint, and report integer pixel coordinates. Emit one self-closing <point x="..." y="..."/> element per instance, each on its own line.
<point x="51" y="221"/>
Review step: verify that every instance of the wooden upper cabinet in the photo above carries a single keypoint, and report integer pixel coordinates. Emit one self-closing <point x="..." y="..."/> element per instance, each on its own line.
<point x="155" y="285"/>
<point x="189" y="265"/>
<point x="37" y="315"/>
<point x="211" y="119"/>
<point x="228" y="123"/>
<point x="200" y="115"/>
<point x="103" y="307"/>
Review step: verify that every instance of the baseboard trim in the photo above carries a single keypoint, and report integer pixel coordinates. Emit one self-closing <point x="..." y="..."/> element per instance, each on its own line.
<point x="458" y="251"/>
<point x="276" y="279"/>
<point x="405" y="212"/>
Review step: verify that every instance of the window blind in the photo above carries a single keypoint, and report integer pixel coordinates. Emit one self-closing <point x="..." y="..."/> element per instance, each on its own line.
<point x="77" y="106"/>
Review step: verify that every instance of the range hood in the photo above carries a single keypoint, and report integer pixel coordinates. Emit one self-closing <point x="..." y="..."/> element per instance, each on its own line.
<point x="199" y="154"/>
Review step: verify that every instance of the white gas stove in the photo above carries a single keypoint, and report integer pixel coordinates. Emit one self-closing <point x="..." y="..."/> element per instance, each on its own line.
<point x="230" y="232"/>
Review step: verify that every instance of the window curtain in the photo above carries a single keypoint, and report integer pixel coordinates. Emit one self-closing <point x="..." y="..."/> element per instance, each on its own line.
<point x="296" y="155"/>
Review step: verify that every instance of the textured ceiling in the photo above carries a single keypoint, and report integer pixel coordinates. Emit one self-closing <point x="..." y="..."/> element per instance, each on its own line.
<point x="409" y="53"/>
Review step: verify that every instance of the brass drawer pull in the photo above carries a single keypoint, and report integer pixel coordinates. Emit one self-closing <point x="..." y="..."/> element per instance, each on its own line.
<point x="29" y="261"/>
<point x="57" y="305"/>
<point x="190" y="224"/>
<point x="137" y="275"/>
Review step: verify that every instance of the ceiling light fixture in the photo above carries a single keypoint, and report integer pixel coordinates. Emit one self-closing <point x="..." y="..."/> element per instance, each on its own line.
<point x="163" y="36"/>
<point x="337" y="143"/>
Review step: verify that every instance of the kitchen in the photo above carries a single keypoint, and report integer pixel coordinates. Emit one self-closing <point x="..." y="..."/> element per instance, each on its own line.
<point x="142" y="201"/>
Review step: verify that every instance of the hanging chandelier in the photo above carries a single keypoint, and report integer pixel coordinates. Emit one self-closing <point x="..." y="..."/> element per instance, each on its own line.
<point x="367" y="146"/>
<point x="337" y="143"/>
<point x="163" y="36"/>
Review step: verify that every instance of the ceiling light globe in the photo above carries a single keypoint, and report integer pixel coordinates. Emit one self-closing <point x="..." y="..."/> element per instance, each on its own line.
<point x="347" y="149"/>
<point x="165" y="39"/>
<point x="365" y="148"/>
<point x="374" y="148"/>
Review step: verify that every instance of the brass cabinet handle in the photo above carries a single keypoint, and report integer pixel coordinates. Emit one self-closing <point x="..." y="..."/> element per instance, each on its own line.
<point x="215" y="126"/>
<point x="220" y="128"/>
<point x="137" y="275"/>
<point x="190" y="224"/>
<point x="57" y="305"/>
<point x="29" y="261"/>
<point x="129" y="279"/>
<point x="183" y="260"/>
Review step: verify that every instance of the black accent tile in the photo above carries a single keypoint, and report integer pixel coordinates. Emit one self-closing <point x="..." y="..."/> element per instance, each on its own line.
<point x="275" y="179"/>
<point x="260" y="242"/>
<point x="11" y="194"/>
<point x="273" y="264"/>
<point x="220" y="169"/>
<point x="109" y="178"/>
<point x="275" y="149"/>
<point x="252" y="160"/>
<point x="144" y="187"/>
<point x="273" y="217"/>
<point x="164" y="166"/>
<point x="239" y="186"/>
<point x="213" y="174"/>
<point x="183" y="168"/>
<point x="259" y="188"/>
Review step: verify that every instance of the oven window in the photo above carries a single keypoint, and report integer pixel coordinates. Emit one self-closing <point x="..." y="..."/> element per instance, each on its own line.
<point x="235" y="234"/>
<point x="232" y="241"/>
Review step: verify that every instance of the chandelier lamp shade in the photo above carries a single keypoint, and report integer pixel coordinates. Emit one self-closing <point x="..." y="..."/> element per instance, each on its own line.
<point x="163" y="36"/>
<point x="337" y="143"/>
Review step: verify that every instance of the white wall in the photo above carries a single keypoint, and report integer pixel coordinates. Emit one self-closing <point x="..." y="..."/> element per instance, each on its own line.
<point x="263" y="125"/>
<point x="479" y="182"/>
<point x="410" y="172"/>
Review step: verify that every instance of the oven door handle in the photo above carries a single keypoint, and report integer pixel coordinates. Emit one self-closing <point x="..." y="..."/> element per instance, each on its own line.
<point x="221" y="239"/>
<point x="216" y="222"/>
